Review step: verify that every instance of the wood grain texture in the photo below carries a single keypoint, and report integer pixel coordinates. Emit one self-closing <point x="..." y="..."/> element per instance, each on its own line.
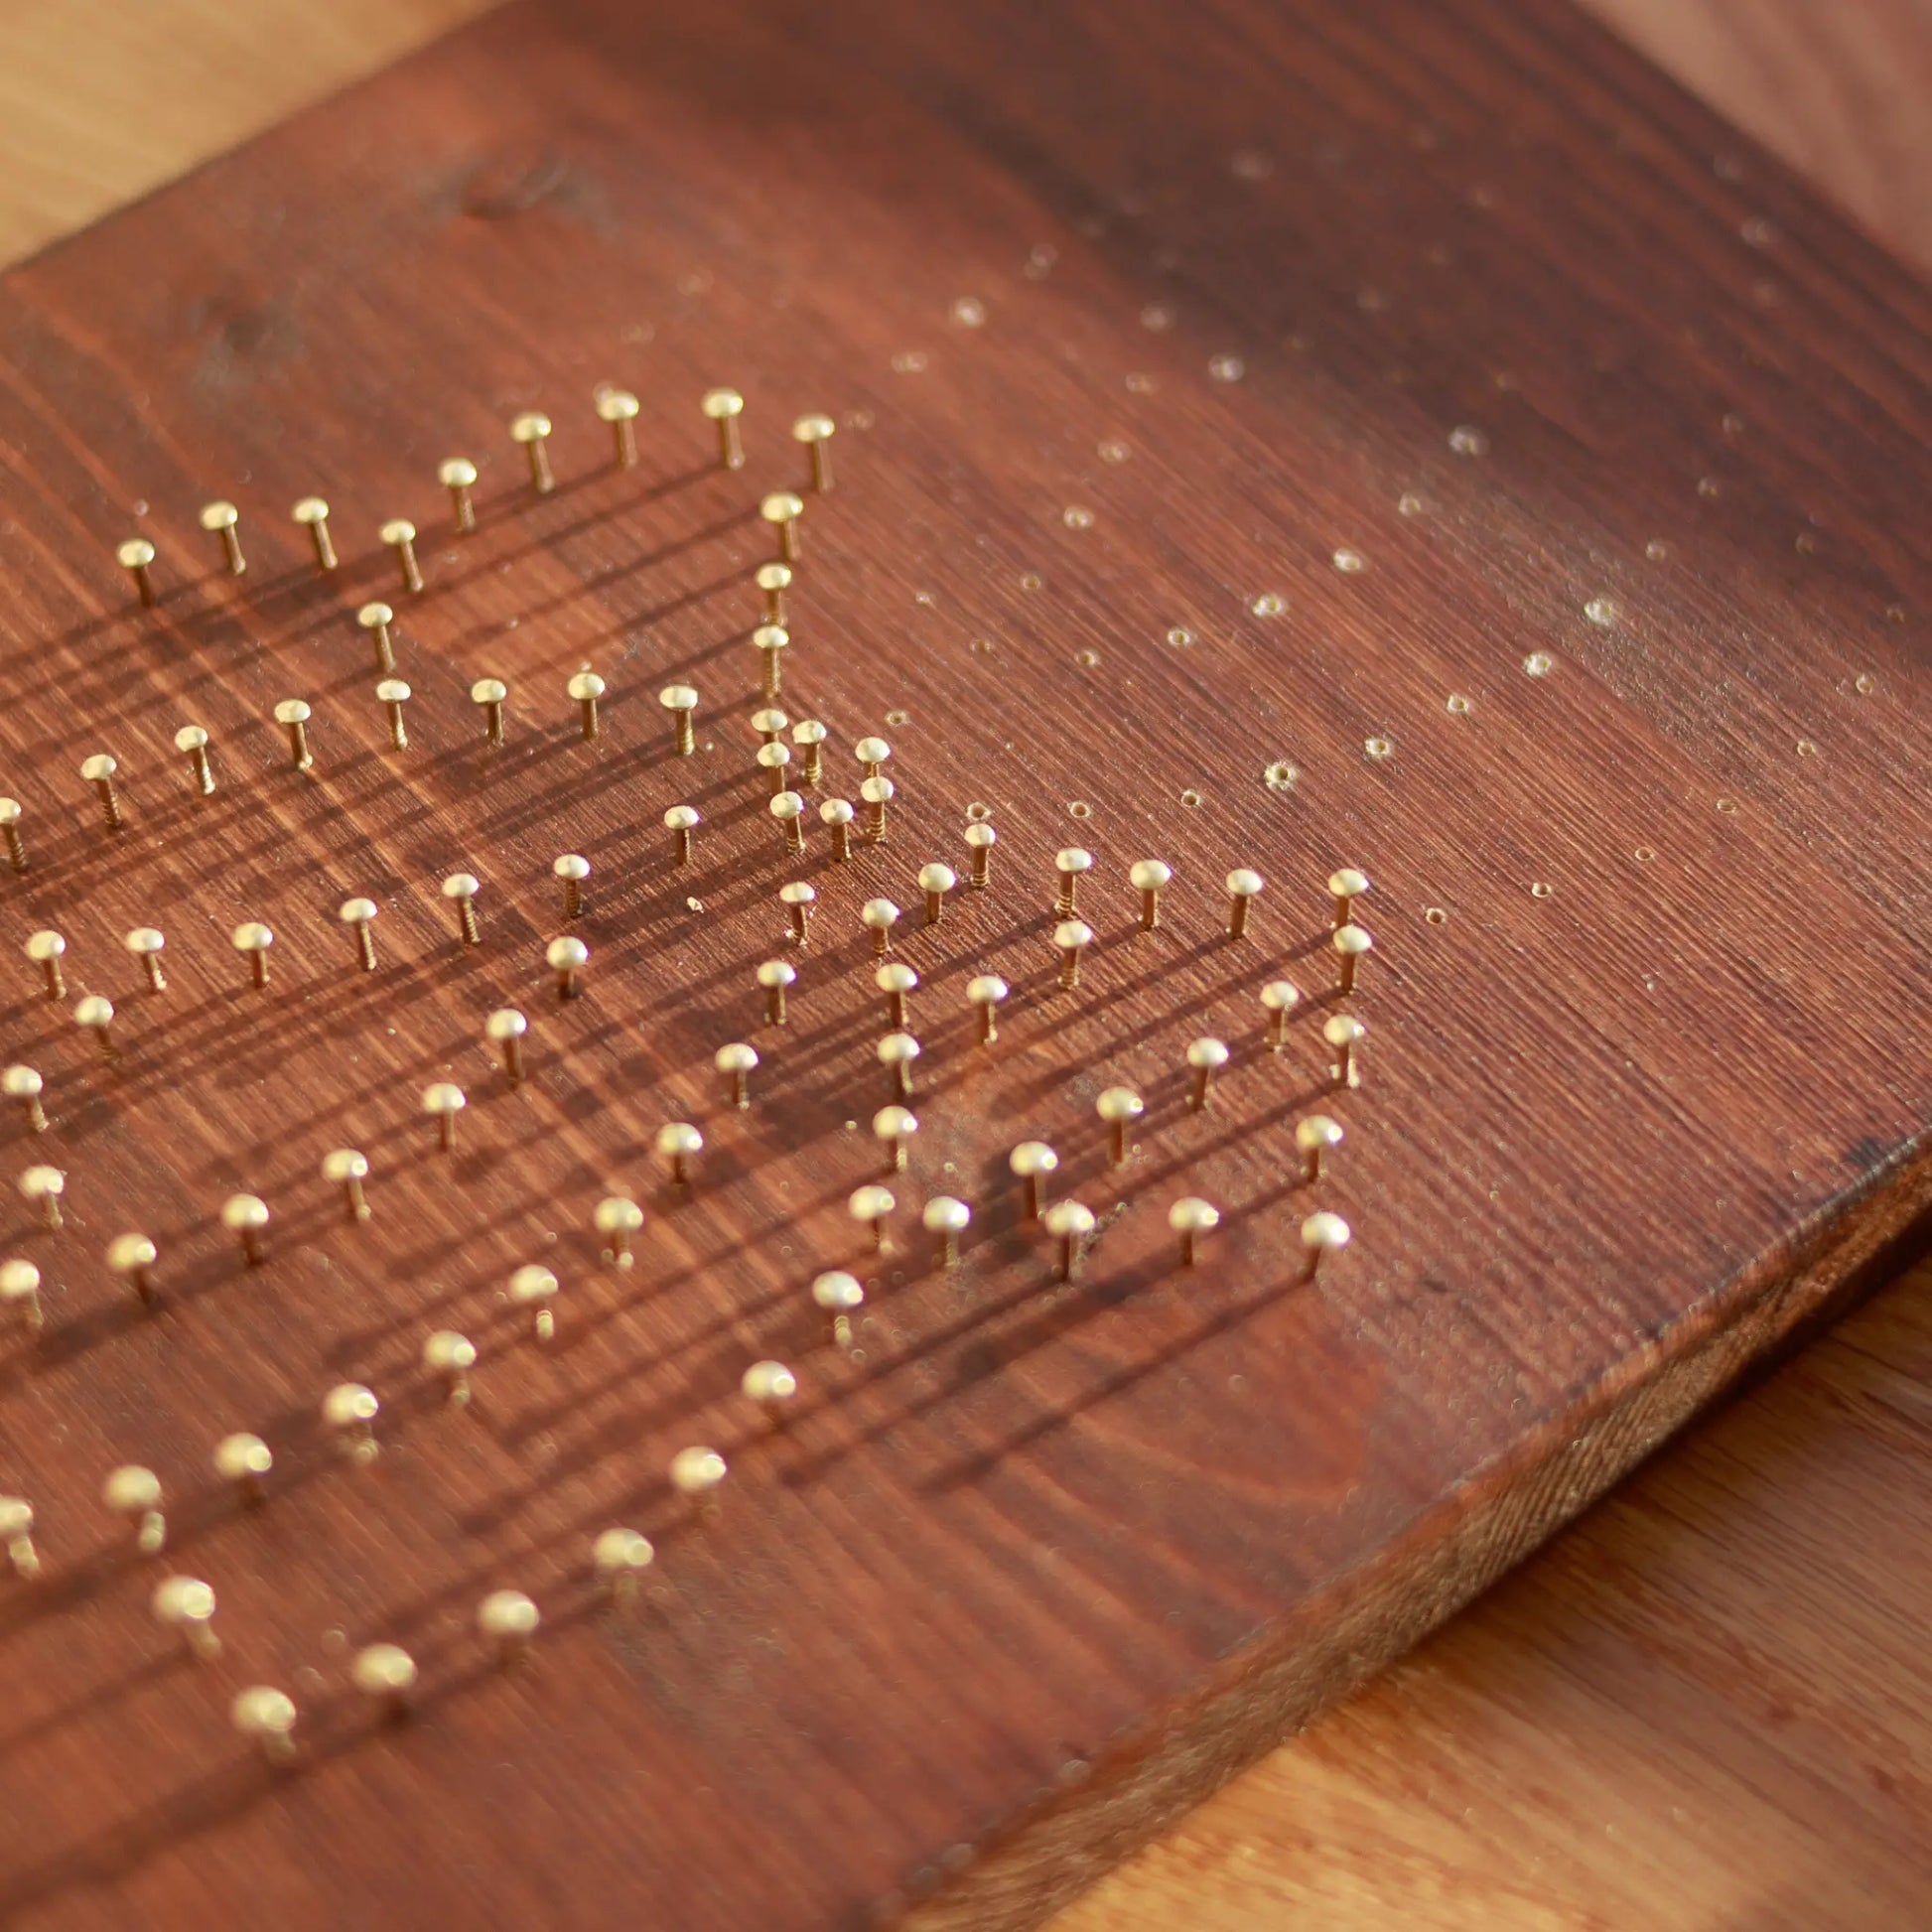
<point x="1705" y="1705"/>
<point x="1837" y="91"/>
<point x="107" y="101"/>
<point x="1739" y="592"/>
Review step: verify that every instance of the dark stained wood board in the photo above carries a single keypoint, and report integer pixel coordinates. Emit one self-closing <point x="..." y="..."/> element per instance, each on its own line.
<point x="1043" y="1564"/>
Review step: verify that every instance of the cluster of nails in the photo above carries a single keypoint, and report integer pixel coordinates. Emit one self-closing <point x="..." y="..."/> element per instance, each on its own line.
<point x="509" y="1618"/>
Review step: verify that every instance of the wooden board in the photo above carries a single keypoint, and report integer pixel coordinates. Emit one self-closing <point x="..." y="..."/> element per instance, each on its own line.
<point x="1115" y="1530"/>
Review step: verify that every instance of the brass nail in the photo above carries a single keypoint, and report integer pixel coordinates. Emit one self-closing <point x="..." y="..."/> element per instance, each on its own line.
<point x="312" y="514"/>
<point x="532" y="430"/>
<point x="224" y="521"/>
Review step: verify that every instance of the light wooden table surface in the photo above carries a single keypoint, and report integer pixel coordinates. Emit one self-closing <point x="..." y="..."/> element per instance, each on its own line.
<point x="1705" y="1705"/>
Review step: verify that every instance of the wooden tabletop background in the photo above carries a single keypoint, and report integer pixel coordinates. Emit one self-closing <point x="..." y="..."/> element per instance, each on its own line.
<point x="1708" y="1703"/>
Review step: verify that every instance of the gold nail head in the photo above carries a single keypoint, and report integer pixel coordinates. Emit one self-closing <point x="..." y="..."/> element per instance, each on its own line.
<point x="392" y="693"/>
<point x="737" y="1063"/>
<point x="696" y="1474"/>
<point x="376" y="618"/>
<point x="359" y="914"/>
<point x="681" y="821"/>
<point x="566" y="958"/>
<point x="1191" y="1218"/>
<point x="781" y="509"/>
<point x="1244" y="887"/>
<point x="461" y="889"/>
<point x="896" y="981"/>
<point x="1072" y="938"/>
<point x="506" y="1027"/>
<point x="775" y="975"/>
<point x="724" y="407"/>
<point x="17" y="1535"/>
<point x="95" y="1016"/>
<point x="136" y="557"/>
<point x="1149" y="877"/>
<point x="23" y="1083"/>
<point x="509" y="1620"/>
<point x="585" y="689"/>
<point x="980" y="841"/>
<point x="769" y="724"/>
<point x="1345" y="1032"/>
<point x="1316" y="1137"/>
<point x="1345" y="886"/>
<point x="348" y="1168"/>
<point x="879" y="917"/>
<point x="936" y="880"/>
<point x="400" y="536"/>
<point x="873" y="754"/>
<point x="680" y="700"/>
<point x="1070" y="1224"/>
<point x="1205" y="1057"/>
<point x="99" y="772"/>
<point x="1351" y="944"/>
<point x="350" y="1410"/>
<point x="789" y="810"/>
<point x="798" y="900"/>
<point x="1321" y="1234"/>
<point x="619" y="408"/>
<point x="245" y="1216"/>
<point x="1071" y="863"/>
<point x="244" y="1460"/>
<point x="895" y="1127"/>
<point x="840" y="1295"/>
<point x="985" y="992"/>
<point x="135" y="1492"/>
<point x="678" y="1144"/>
<point x="533" y="1293"/>
<point x="946" y="1220"/>
<point x="571" y="871"/>
<point x="1120" y="1108"/>
<point x="192" y="742"/>
<point x="836" y="814"/>
<point x="619" y="1557"/>
<point x="810" y="735"/>
<point x="450" y="1357"/>
<point x="617" y="1220"/>
<point x="492" y="692"/>
<point x="252" y="941"/>
<point x="770" y="640"/>
<point x="1278" y="999"/>
<point x="43" y="1187"/>
<point x="817" y="433"/>
<point x="771" y="1386"/>
<point x="11" y="813"/>
<point x="443" y="1101"/>
<point x="870" y="1207"/>
<point x="20" y="1294"/>
<point x="877" y="794"/>
<point x="133" y="1257"/>
<point x="773" y="579"/>
<point x="458" y="475"/>
<point x="772" y="758"/>
<point x="187" y="1605"/>
<point x="224" y="521"/>
<point x="1032" y="1162"/>
<point x="292" y="716"/>
<point x="45" y="948"/>
<point x="312" y="514"/>
<point x="267" y="1715"/>
<point x="532" y="430"/>
<point x="387" y="1673"/>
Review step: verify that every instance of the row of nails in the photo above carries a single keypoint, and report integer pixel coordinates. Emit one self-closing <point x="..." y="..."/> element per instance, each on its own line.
<point x="531" y="431"/>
